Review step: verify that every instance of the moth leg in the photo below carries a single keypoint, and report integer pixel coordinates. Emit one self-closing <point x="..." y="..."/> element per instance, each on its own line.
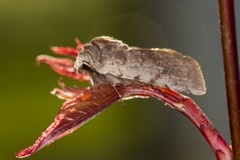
<point x="120" y="96"/>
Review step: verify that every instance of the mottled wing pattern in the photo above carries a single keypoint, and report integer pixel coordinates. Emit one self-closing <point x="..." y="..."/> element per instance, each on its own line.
<point x="161" y="67"/>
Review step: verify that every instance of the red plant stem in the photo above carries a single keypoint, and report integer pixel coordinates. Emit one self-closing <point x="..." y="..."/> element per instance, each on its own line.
<point x="214" y="139"/>
<point x="230" y="57"/>
<point x="187" y="107"/>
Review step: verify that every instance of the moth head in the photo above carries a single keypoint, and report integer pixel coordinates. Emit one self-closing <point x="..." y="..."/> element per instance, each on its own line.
<point x="84" y="62"/>
<point x="93" y="55"/>
<point x="88" y="58"/>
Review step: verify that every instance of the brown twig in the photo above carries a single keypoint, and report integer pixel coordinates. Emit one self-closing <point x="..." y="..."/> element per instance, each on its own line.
<point x="229" y="46"/>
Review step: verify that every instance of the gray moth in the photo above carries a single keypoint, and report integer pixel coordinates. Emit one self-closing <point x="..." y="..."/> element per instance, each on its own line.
<point x="108" y="60"/>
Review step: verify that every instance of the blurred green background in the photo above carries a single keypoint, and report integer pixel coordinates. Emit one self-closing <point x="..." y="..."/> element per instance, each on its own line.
<point x="145" y="129"/>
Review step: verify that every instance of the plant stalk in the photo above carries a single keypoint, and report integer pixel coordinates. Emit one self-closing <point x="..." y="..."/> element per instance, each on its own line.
<point x="230" y="58"/>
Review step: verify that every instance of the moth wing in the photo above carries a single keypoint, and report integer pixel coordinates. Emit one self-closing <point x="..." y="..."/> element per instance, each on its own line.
<point x="161" y="67"/>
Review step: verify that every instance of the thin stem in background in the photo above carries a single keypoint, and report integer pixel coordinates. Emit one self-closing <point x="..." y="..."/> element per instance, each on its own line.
<point x="230" y="57"/>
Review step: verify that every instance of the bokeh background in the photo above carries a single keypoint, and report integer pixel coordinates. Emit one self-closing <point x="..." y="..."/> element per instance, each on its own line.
<point x="145" y="129"/>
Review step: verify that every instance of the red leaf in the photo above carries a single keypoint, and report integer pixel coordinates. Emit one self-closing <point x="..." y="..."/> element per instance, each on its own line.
<point x="63" y="66"/>
<point x="68" y="50"/>
<point x="65" y="51"/>
<point x="73" y="114"/>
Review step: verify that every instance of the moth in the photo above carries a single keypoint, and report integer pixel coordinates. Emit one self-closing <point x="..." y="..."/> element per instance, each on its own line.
<point x="108" y="60"/>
